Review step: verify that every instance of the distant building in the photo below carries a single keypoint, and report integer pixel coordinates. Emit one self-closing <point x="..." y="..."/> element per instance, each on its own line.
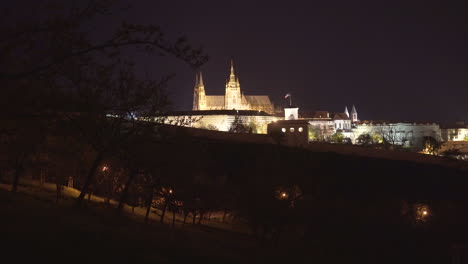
<point x="233" y="99"/>
<point x="324" y="124"/>
<point x="291" y="131"/>
<point x="456" y="132"/>
<point x="410" y="135"/>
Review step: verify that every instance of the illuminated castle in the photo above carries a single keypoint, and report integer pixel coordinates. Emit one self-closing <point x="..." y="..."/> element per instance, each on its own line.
<point x="233" y="99"/>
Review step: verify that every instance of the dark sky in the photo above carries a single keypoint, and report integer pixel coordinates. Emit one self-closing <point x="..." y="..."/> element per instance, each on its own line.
<point x="394" y="60"/>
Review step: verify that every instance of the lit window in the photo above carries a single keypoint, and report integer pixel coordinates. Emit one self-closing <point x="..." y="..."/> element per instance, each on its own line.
<point x="283" y="129"/>
<point x="300" y="129"/>
<point x="291" y="129"/>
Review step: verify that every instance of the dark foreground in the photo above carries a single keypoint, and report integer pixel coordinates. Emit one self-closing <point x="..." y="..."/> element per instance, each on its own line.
<point x="33" y="228"/>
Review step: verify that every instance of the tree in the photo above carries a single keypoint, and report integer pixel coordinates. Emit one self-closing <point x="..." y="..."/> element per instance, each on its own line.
<point x="338" y="137"/>
<point x="364" y="139"/>
<point x="316" y="134"/>
<point x="22" y="138"/>
<point x="52" y="66"/>
<point x="45" y="45"/>
<point x="238" y="126"/>
<point x="391" y="137"/>
<point x="430" y="145"/>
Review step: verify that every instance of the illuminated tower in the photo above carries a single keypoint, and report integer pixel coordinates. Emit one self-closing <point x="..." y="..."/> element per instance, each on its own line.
<point x="199" y="96"/>
<point x="233" y="96"/>
<point x="354" y="116"/>
<point x="346" y="111"/>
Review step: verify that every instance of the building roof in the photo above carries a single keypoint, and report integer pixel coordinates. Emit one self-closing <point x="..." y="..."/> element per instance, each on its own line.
<point x="260" y="100"/>
<point x="340" y="116"/>
<point x="215" y="101"/>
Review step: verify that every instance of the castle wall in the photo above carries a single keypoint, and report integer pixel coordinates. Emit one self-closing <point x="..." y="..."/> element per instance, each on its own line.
<point x="220" y="122"/>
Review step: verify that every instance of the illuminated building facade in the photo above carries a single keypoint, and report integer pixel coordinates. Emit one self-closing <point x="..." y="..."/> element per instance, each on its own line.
<point x="233" y="99"/>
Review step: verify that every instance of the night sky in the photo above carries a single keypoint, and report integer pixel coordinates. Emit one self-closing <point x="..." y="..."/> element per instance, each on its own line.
<point x="394" y="60"/>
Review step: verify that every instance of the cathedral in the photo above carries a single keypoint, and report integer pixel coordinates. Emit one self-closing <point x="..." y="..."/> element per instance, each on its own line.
<point x="233" y="99"/>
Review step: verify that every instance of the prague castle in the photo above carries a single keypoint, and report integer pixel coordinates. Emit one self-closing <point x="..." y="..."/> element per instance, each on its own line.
<point x="233" y="99"/>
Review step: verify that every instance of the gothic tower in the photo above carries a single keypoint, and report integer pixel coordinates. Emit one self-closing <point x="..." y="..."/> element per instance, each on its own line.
<point x="199" y="96"/>
<point x="195" y="94"/>
<point x="233" y="96"/>
<point x="346" y="111"/>
<point x="354" y="117"/>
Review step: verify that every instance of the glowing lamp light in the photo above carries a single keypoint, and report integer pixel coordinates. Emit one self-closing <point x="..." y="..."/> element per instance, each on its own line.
<point x="170" y="191"/>
<point x="105" y="168"/>
<point x="283" y="195"/>
<point x="424" y="212"/>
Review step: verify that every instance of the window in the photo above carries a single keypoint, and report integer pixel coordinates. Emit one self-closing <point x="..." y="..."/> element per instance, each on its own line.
<point x="291" y="129"/>
<point x="300" y="129"/>
<point x="283" y="130"/>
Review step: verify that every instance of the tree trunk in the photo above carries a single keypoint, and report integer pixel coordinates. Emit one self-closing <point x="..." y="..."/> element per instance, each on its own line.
<point x="89" y="179"/>
<point x="185" y="218"/>
<point x="18" y="171"/>
<point x="42" y="177"/>
<point x="123" y="197"/>
<point x="200" y="218"/>
<point x="173" y="218"/>
<point x="194" y="217"/>
<point x="163" y="212"/>
<point x="224" y="215"/>
<point x="14" y="187"/>
<point x="149" y="201"/>
<point x="70" y="182"/>
<point x="59" y="192"/>
<point x="109" y="193"/>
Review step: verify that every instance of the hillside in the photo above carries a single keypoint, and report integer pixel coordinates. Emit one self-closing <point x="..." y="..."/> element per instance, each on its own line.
<point x="38" y="230"/>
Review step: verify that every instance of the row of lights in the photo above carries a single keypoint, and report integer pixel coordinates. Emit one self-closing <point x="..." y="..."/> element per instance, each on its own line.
<point x="292" y="129"/>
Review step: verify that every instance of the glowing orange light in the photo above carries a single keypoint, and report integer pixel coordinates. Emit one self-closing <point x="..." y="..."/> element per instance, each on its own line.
<point x="424" y="212"/>
<point x="170" y="190"/>
<point x="283" y="194"/>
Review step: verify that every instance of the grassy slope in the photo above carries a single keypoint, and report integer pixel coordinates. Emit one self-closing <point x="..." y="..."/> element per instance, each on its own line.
<point x="34" y="228"/>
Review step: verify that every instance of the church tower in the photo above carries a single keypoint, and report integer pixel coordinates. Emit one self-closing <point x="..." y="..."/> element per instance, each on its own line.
<point x="346" y="111"/>
<point x="233" y="96"/>
<point x="199" y="96"/>
<point x="354" y="117"/>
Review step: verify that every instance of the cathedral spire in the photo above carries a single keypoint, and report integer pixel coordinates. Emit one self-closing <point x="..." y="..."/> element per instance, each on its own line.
<point x="232" y="77"/>
<point x="200" y="82"/>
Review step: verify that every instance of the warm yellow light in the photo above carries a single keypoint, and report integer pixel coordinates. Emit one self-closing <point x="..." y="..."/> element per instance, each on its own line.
<point x="283" y="194"/>
<point x="170" y="190"/>
<point x="104" y="168"/>
<point x="424" y="212"/>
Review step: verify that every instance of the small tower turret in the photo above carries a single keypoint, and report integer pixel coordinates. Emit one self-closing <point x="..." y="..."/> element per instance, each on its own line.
<point x="346" y="111"/>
